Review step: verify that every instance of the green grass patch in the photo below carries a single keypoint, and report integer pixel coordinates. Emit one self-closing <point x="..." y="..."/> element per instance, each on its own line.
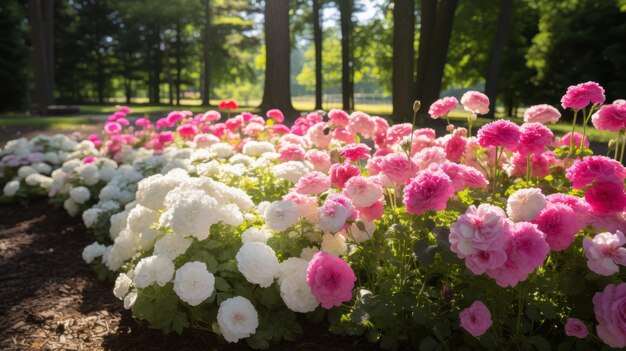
<point x="46" y="122"/>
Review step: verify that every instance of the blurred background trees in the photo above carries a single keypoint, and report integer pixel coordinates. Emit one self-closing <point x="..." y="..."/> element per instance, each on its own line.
<point x="340" y="53"/>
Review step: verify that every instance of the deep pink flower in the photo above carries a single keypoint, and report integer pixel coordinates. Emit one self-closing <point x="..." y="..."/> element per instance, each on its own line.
<point x="124" y="109"/>
<point x="499" y="133"/>
<point x="539" y="164"/>
<point x="566" y="139"/>
<point x="313" y="183"/>
<point x="610" y="117"/>
<point x="228" y="105"/>
<point x="576" y="328"/>
<point x="442" y="107"/>
<point x="279" y="129"/>
<point x="475" y="102"/>
<point x="187" y="131"/>
<point x="595" y="169"/>
<point x="340" y="173"/>
<point x="455" y="147"/>
<point x="541" y="114"/>
<point x="234" y="122"/>
<point x="534" y="139"/>
<point x="276" y="115"/>
<point x="175" y="116"/>
<point x="577" y="204"/>
<point x="373" y="212"/>
<point x="338" y="118"/>
<point x="89" y="159"/>
<point x="606" y="197"/>
<point x="476" y="319"/>
<point x="428" y="191"/>
<point x="331" y="279"/>
<point x="605" y="252"/>
<point x="559" y="223"/>
<point x="95" y="139"/>
<point x="355" y="152"/>
<point x="143" y="122"/>
<point x="579" y="96"/>
<point x="112" y="128"/>
<point x="609" y="307"/>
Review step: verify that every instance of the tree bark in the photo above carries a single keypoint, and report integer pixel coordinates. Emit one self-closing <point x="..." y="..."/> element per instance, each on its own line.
<point x="178" y="59"/>
<point x="41" y="22"/>
<point x="206" y="50"/>
<point x="403" y="58"/>
<point x="317" y="39"/>
<point x="157" y="65"/>
<point x="427" y="35"/>
<point x="495" y="56"/>
<point x="277" y="92"/>
<point x="347" y="72"/>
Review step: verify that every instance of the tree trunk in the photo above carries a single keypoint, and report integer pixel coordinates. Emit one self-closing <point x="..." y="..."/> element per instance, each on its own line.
<point x="277" y="92"/>
<point x="178" y="59"/>
<point x="41" y="18"/>
<point x="495" y="56"/>
<point x="347" y="73"/>
<point x="403" y="57"/>
<point x="427" y="35"/>
<point x="157" y="65"/>
<point x="317" y="39"/>
<point x="206" y="50"/>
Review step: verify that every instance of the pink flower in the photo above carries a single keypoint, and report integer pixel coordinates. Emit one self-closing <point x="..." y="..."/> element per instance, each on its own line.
<point x="320" y="135"/>
<point x="565" y="140"/>
<point x="398" y="132"/>
<point x="499" y="133"/>
<point x="124" y="109"/>
<point x="373" y="212"/>
<point x="362" y="191"/>
<point x="578" y="205"/>
<point x="331" y="279"/>
<point x="579" y="96"/>
<point x="89" y="159"/>
<point x="313" y="183"/>
<point x="442" y="107"/>
<point x="475" y="102"/>
<point x="276" y="115"/>
<point x="560" y="225"/>
<point x="361" y="123"/>
<point x="338" y="118"/>
<point x="253" y="129"/>
<point x="534" y="139"/>
<point x="95" y="139"/>
<point x="279" y="129"/>
<point x="476" y="319"/>
<point x="463" y="176"/>
<point x="355" y="152"/>
<point x="228" y="105"/>
<point x="340" y="173"/>
<point x="187" y="131"/>
<point x="610" y="117"/>
<point x="335" y="212"/>
<point x="604" y="252"/>
<point x="174" y="117"/>
<point x="396" y="168"/>
<point x="233" y="123"/>
<point x="541" y="114"/>
<point x="428" y="191"/>
<point x="342" y="134"/>
<point x="595" y="169"/>
<point x="576" y="328"/>
<point x="211" y="116"/>
<point x="455" y="147"/>
<point x="609" y="307"/>
<point x="143" y="122"/>
<point x="428" y="156"/>
<point x="539" y="164"/>
<point x="291" y="152"/>
<point x="307" y="205"/>
<point x="606" y="197"/>
<point x="205" y="140"/>
<point x="112" y="128"/>
<point x="320" y="160"/>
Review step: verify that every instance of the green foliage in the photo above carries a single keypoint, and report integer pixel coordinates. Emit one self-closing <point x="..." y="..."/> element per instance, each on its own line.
<point x="13" y="57"/>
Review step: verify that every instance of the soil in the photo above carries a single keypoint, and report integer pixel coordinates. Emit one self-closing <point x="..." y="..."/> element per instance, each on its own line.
<point x="51" y="300"/>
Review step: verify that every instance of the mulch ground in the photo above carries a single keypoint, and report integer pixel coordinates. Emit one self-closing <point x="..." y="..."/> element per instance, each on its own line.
<point x="51" y="300"/>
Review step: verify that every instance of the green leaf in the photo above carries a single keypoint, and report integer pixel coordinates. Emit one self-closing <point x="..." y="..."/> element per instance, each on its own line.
<point x="424" y="252"/>
<point x="428" y="344"/>
<point x="258" y="342"/>
<point x="546" y="309"/>
<point x="222" y="285"/>
<point x="540" y="343"/>
<point x="533" y="313"/>
<point x="180" y="322"/>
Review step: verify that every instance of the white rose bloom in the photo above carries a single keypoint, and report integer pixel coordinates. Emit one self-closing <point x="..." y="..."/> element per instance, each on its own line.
<point x="45" y="182"/>
<point x="122" y="284"/>
<point x="208" y="169"/>
<point x="25" y="171"/>
<point x="80" y="195"/>
<point x="241" y="158"/>
<point x="525" y="204"/>
<point x="297" y="294"/>
<point x="308" y="253"/>
<point x="90" y="216"/>
<point x="151" y="191"/>
<point x="258" y="263"/>
<point x="254" y="234"/>
<point x="237" y="318"/>
<point x="172" y="246"/>
<point x="230" y="215"/>
<point x="291" y="170"/>
<point x="89" y="173"/>
<point x="334" y="244"/>
<point x="258" y="148"/>
<point x="42" y="167"/>
<point x="290" y="266"/>
<point x="194" y="283"/>
<point x="152" y="269"/>
<point x="71" y="207"/>
<point x="280" y="215"/>
<point x="192" y="215"/>
<point x="118" y="223"/>
<point x="362" y="235"/>
<point x="130" y="299"/>
<point x="92" y="251"/>
<point x="33" y="179"/>
<point x="68" y="166"/>
<point x="140" y="221"/>
<point x="11" y="188"/>
<point x="222" y="150"/>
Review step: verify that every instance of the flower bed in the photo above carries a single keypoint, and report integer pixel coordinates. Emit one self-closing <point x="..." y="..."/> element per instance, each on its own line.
<point x="502" y="240"/>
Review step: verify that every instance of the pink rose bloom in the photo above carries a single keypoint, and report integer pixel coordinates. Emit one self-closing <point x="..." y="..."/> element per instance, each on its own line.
<point x="89" y="159"/>
<point x="95" y="139"/>
<point x="565" y="140"/>
<point x="174" y="117"/>
<point x="610" y="117"/>
<point x="355" y="152"/>
<point x="611" y="222"/>
<point x="361" y="123"/>
<point x="526" y="250"/>
<point x="320" y="160"/>
<point x="534" y="139"/>
<point x="398" y="132"/>
<point x="577" y="204"/>
<point x="112" y="128"/>
<point x="279" y="129"/>
<point x="211" y="116"/>
<point x="396" y="168"/>
<point x="342" y="134"/>
<point x="579" y="96"/>
<point x="576" y="328"/>
<point x="205" y="140"/>
<point x="559" y="223"/>
<point x="539" y="164"/>
<point x="335" y="212"/>
<point x="475" y="102"/>
<point x="476" y="319"/>
<point x="455" y="147"/>
<point x="320" y="135"/>
<point x="373" y="212"/>
<point x="143" y="122"/>
<point x="604" y="252"/>
<point x="331" y="279"/>
<point x="428" y="191"/>
<point x="313" y="183"/>
<point x="541" y="114"/>
<point x="165" y="137"/>
<point x="307" y="205"/>
<point x="338" y="118"/>
<point x="499" y="133"/>
<point x="609" y="307"/>
<point x="291" y="152"/>
<point x="187" y="131"/>
<point x="234" y="123"/>
<point x="124" y="109"/>
<point x="276" y="115"/>
<point x="362" y="191"/>
<point x="443" y="106"/>
<point x="340" y="173"/>
<point x="462" y="176"/>
<point x="374" y="165"/>
<point x="428" y="156"/>
<point x="595" y="169"/>
<point x="382" y="126"/>
<point x="606" y="197"/>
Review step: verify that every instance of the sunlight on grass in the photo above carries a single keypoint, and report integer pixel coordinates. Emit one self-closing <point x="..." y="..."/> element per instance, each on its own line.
<point x="47" y="122"/>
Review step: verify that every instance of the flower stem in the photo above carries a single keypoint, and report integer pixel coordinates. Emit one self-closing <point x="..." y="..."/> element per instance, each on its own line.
<point x="571" y="137"/>
<point x="586" y="120"/>
<point x="495" y="169"/>
<point x="519" y="311"/>
<point x="621" y="136"/>
<point x="616" y="146"/>
<point x="528" y="170"/>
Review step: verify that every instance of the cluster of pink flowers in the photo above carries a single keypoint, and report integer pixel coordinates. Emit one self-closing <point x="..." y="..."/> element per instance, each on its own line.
<point x="580" y="96"/>
<point x="331" y="279"/>
<point x="606" y="179"/>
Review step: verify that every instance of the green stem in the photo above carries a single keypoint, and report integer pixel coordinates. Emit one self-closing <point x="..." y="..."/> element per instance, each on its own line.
<point x="571" y="137"/>
<point x="519" y="311"/>
<point x="495" y="169"/>
<point x="528" y="169"/>
<point x="587" y="118"/>
<point x="621" y="156"/>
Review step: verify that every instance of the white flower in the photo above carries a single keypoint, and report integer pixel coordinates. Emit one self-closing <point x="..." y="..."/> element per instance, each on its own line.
<point x="118" y="223"/>
<point x="258" y="263"/>
<point x="208" y="169"/>
<point x="230" y="214"/>
<point x="89" y="173"/>
<point x="525" y="204"/>
<point x="172" y="246"/>
<point x="92" y="251"/>
<point x="237" y="318"/>
<point x="192" y="215"/>
<point x="42" y="167"/>
<point x="281" y="215"/>
<point x="290" y="266"/>
<point x="257" y="148"/>
<point x="241" y="158"/>
<point x="291" y="170"/>
<point x="222" y="150"/>
<point x="334" y="244"/>
<point x="297" y="294"/>
<point x="80" y="195"/>
<point x="194" y="283"/>
<point x="11" y="188"/>
<point x="90" y="216"/>
<point x="152" y="269"/>
<point x="308" y="253"/>
<point x="140" y="221"/>
<point x="122" y="284"/>
<point x="151" y="191"/>
<point x="71" y="207"/>
<point x="364" y="233"/>
<point x="130" y="299"/>
<point x="25" y="171"/>
<point x="254" y="234"/>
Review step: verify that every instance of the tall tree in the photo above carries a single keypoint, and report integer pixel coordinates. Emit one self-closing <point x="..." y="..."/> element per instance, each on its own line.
<point x="206" y="52"/>
<point x="428" y="14"/>
<point x="13" y="55"/>
<point x="317" y="40"/>
<point x="495" y="55"/>
<point x="41" y="21"/>
<point x="347" y="65"/>
<point x="277" y="91"/>
<point x="403" y="57"/>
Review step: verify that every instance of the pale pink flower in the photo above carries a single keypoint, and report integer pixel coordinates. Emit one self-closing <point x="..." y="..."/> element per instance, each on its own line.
<point x="428" y="156"/>
<point x="343" y="134"/>
<point x="396" y="168"/>
<point x="320" y="135"/>
<point x="442" y="107"/>
<point x="475" y="102"/>
<point x="525" y="204"/>
<point x="610" y="117"/>
<point x="579" y="96"/>
<point x="398" y="132"/>
<point x="373" y="212"/>
<point x="576" y="328"/>
<point x="320" y="159"/>
<point x="428" y="191"/>
<point x="291" y="152"/>
<point x="609" y="307"/>
<point x="559" y="223"/>
<point x="307" y="205"/>
<point x="605" y="252"/>
<point x="476" y="319"/>
<point x="462" y="176"/>
<point x="338" y="118"/>
<point x="335" y="212"/>
<point x="331" y="279"/>
<point x="362" y="191"/>
<point x="312" y="183"/>
<point x="499" y="133"/>
<point x="205" y="140"/>
<point x="211" y="116"/>
<point x="361" y="123"/>
<point x="541" y="114"/>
